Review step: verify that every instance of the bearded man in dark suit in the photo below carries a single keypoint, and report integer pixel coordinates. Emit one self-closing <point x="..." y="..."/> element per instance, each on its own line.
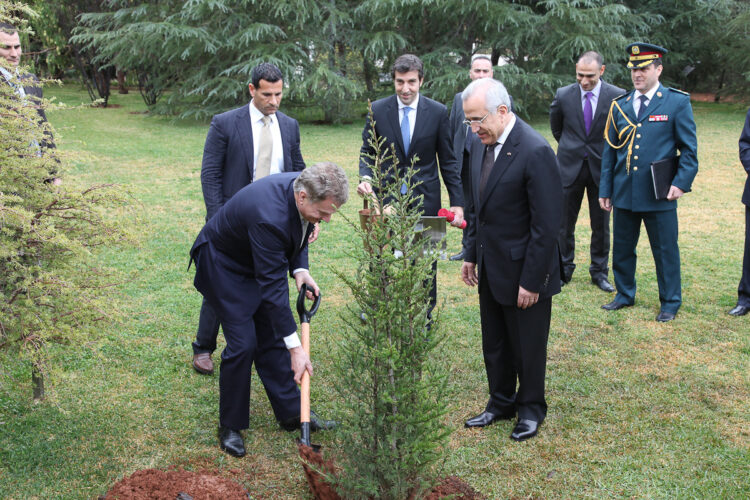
<point x="577" y="116"/>
<point x="244" y="145"/>
<point x="513" y="221"/>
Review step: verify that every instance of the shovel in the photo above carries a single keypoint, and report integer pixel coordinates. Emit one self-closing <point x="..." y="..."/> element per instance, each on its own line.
<point x="304" y="403"/>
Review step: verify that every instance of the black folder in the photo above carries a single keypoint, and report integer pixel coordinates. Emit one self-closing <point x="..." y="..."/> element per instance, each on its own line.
<point x="663" y="172"/>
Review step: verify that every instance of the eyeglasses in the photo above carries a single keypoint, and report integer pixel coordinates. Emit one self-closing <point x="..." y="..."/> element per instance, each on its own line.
<point x="470" y="123"/>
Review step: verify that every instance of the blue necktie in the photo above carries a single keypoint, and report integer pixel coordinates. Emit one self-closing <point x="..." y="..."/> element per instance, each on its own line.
<point x="405" y="132"/>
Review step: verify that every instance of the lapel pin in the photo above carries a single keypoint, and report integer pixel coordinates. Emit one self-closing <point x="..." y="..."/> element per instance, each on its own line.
<point x="628" y="99"/>
<point x="659" y="94"/>
<point x="508" y="154"/>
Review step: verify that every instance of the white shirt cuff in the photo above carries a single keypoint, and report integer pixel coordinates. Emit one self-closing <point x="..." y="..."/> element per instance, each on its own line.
<point x="292" y="341"/>
<point x="298" y="270"/>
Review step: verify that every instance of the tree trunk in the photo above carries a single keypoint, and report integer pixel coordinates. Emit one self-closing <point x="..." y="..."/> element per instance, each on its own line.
<point x="37" y="381"/>
<point x="122" y="88"/>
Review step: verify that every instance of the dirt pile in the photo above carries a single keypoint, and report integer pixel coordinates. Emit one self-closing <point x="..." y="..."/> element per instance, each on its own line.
<point x="149" y="484"/>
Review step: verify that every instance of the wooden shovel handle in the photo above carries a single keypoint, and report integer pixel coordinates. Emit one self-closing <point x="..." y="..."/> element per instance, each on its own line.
<point x="304" y="402"/>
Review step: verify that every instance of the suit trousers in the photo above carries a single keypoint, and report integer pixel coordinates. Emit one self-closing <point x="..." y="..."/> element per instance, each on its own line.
<point x="743" y="292"/>
<point x="662" y="230"/>
<point x="208" y="330"/>
<point x="572" y="198"/>
<point x="237" y="301"/>
<point x="514" y="344"/>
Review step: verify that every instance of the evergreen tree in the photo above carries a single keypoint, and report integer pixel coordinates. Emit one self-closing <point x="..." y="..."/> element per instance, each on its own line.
<point x="52" y="288"/>
<point x="391" y="385"/>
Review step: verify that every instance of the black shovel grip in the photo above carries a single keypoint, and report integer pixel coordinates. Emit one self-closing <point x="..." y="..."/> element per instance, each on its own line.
<point x="305" y="314"/>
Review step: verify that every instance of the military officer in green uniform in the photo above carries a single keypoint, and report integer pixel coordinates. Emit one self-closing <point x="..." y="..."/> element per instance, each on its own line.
<point x="648" y="124"/>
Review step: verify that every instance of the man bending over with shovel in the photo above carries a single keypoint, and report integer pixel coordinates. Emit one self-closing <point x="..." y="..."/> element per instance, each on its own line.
<point x="242" y="256"/>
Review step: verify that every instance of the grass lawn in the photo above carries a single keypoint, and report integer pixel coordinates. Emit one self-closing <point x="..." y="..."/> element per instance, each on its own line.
<point x="637" y="409"/>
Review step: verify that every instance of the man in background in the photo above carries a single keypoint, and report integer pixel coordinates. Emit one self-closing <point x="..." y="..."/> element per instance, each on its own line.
<point x="26" y="85"/>
<point x="577" y="116"/>
<point x="649" y="124"/>
<point x="416" y="126"/>
<point x="743" y="292"/>
<point x="242" y="146"/>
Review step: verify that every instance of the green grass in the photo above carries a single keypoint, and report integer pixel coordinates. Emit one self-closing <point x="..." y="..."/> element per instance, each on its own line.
<point x="637" y="409"/>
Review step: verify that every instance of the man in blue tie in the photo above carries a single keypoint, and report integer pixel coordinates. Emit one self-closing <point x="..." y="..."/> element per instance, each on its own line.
<point x="648" y="124"/>
<point x="418" y="127"/>
<point x="577" y="116"/>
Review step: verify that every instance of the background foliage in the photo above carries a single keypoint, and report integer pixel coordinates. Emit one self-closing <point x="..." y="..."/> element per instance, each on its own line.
<point x="334" y="52"/>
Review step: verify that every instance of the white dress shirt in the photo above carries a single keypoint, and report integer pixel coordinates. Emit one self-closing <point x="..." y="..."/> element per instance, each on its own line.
<point x="277" y="156"/>
<point x="594" y="97"/>
<point x="637" y="97"/>
<point x="412" y="114"/>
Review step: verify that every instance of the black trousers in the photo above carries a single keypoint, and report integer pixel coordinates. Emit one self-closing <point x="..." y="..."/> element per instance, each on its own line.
<point x="743" y="292"/>
<point x="208" y="330"/>
<point x="514" y="344"/>
<point x="237" y="302"/>
<point x="572" y="198"/>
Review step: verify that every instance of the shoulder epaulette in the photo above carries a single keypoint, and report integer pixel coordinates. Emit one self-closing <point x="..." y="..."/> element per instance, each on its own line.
<point x="621" y="96"/>
<point x="678" y="91"/>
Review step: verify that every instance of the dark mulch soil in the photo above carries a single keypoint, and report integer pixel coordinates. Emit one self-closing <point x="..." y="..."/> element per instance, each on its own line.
<point x="449" y="487"/>
<point x="149" y="484"/>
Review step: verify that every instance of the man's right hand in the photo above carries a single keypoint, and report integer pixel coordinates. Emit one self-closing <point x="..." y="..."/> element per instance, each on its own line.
<point x="364" y="188"/>
<point x="469" y="273"/>
<point x="300" y="363"/>
<point x="606" y="204"/>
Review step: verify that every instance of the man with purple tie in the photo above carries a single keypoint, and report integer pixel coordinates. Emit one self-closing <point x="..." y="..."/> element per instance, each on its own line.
<point x="577" y="116"/>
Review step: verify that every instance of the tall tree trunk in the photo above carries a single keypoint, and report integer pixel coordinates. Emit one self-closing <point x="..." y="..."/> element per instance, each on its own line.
<point x="37" y="381"/>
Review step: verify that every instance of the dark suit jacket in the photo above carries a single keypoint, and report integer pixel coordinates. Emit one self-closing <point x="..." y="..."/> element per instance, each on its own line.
<point x="244" y="252"/>
<point x="512" y="230"/>
<point x="745" y="157"/>
<point x="566" y="122"/>
<point x="228" y="155"/>
<point x="431" y="142"/>
<point x="34" y="93"/>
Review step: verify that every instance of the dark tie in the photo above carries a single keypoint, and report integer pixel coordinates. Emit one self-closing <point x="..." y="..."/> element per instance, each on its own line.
<point x="588" y="113"/>
<point x="487" y="163"/>
<point x="642" y="108"/>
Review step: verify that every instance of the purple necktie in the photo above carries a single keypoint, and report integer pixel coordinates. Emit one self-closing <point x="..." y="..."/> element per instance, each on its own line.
<point x="587" y="112"/>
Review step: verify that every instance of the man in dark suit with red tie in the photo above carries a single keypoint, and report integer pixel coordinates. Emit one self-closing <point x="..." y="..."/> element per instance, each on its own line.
<point x="243" y="145"/>
<point x="577" y="116"/>
<point x="416" y="126"/>
<point x="513" y="221"/>
<point x="242" y="257"/>
<point x="743" y="292"/>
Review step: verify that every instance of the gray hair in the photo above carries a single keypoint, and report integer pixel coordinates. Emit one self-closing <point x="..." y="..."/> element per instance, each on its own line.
<point x="495" y="95"/>
<point x="323" y="180"/>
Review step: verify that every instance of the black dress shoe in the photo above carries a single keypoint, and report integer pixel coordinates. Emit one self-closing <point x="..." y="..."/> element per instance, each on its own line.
<point x="524" y="429"/>
<point x="603" y="284"/>
<point x="458" y="256"/>
<point x="316" y="423"/>
<point x="664" y="316"/>
<point x="739" y="310"/>
<point x="486" y="418"/>
<point x="231" y="441"/>
<point x="614" y="306"/>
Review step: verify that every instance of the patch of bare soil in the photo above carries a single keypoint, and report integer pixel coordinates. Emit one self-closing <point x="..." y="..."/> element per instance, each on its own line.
<point x="449" y="487"/>
<point x="149" y="484"/>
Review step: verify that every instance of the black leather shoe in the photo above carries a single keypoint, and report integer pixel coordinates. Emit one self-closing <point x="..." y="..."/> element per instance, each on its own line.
<point x="524" y="429"/>
<point x="486" y="418"/>
<point x="458" y="256"/>
<point x="231" y="441"/>
<point x="603" y="284"/>
<point x="664" y="316"/>
<point x="316" y="423"/>
<point x="739" y="310"/>
<point x="614" y="306"/>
